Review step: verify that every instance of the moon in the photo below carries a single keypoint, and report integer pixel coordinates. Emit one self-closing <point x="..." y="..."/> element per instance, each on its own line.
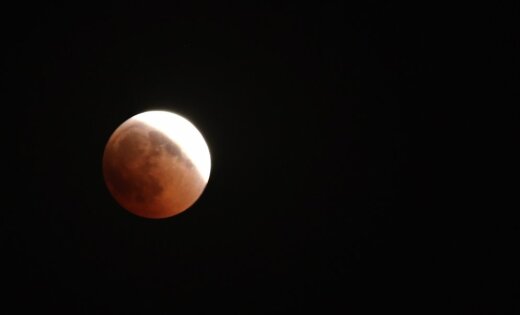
<point x="156" y="164"/>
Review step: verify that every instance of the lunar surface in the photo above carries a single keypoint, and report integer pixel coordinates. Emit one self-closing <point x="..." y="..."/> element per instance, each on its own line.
<point x="156" y="164"/>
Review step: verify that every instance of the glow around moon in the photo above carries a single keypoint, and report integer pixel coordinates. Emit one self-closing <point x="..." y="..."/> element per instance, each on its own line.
<point x="156" y="164"/>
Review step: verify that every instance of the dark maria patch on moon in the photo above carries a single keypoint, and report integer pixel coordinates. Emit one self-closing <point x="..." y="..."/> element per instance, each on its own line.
<point x="158" y="139"/>
<point x="138" y="184"/>
<point x="140" y="187"/>
<point x="131" y="147"/>
<point x="188" y="163"/>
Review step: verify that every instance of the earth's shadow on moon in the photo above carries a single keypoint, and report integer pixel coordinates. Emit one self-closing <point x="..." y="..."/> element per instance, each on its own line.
<point x="140" y="163"/>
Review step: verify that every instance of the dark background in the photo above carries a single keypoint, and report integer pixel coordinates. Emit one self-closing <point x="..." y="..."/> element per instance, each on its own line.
<point x="342" y="179"/>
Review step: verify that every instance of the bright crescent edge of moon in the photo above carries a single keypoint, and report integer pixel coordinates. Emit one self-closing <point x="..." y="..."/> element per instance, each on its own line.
<point x="173" y="125"/>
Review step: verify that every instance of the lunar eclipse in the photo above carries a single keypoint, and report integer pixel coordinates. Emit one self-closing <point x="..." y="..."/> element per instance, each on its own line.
<point x="156" y="164"/>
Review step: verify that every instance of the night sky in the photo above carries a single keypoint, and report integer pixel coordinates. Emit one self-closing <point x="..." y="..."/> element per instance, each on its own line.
<point x="335" y="186"/>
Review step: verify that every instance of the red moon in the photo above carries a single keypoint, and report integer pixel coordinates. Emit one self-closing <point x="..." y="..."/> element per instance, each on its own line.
<point x="156" y="164"/>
